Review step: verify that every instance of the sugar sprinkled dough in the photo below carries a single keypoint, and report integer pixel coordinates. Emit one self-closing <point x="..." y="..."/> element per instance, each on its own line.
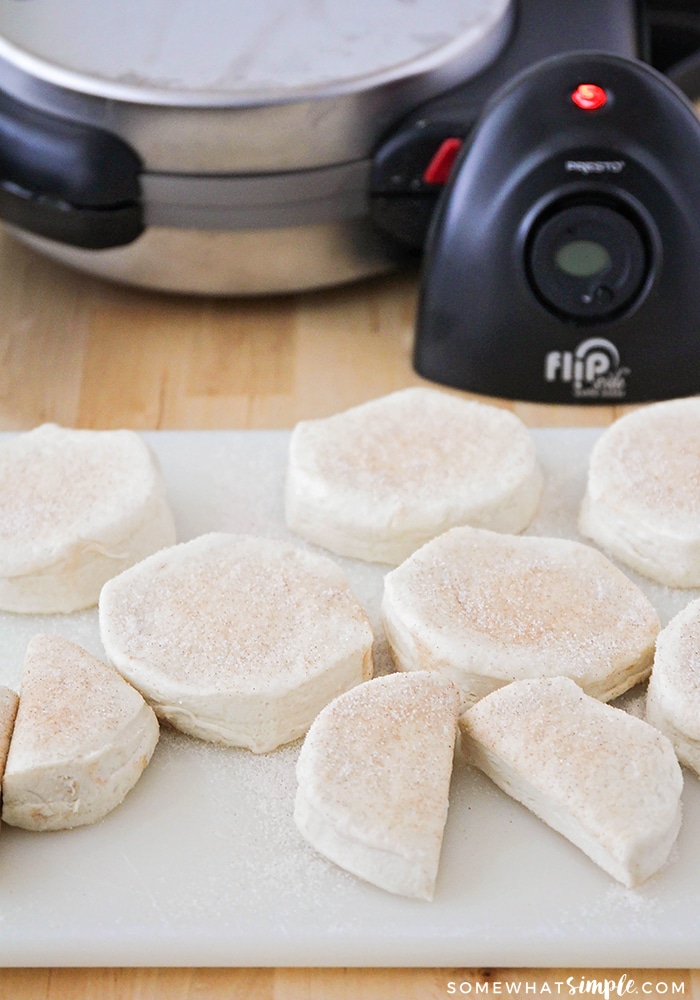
<point x="76" y="507"/>
<point x="606" y="780"/>
<point x="8" y="711"/>
<point x="673" y="693"/>
<point x="373" y="780"/>
<point x="377" y="481"/>
<point x="237" y="639"/>
<point x="486" y="608"/>
<point x="81" y="740"/>
<point x="642" y="501"/>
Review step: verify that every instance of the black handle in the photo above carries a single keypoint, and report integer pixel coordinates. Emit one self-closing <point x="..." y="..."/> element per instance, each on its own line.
<point x="67" y="181"/>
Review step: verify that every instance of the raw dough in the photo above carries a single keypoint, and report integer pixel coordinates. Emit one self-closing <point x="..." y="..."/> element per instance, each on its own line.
<point x="486" y="608"/>
<point x="373" y="780"/>
<point x="81" y="741"/>
<point x="236" y="639"/>
<point x="673" y="694"/>
<point x="606" y="780"/>
<point x="380" y="479"/>
<point x="642" y="502"/>
<point x="76" y="508"/>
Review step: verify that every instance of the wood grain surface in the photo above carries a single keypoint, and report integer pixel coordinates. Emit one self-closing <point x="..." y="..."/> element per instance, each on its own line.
<point x="86" y="353"/>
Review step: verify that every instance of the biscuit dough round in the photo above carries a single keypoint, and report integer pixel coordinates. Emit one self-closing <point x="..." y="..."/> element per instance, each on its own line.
<point x="381" y="479"/>
<point x="642" y="501"/>
<point x="236" y="639"/>
<point x="486" y="608"/>
<point x="673" y="693"/>
<point x="76" y="508"/>
<point x="81" y="740"/>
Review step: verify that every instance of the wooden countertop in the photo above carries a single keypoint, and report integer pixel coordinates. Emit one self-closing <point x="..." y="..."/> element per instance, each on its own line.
<point x="85" y="353"/>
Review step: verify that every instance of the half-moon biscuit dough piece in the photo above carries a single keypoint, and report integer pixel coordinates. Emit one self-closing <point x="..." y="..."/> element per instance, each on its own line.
<point x="8" y="710"/>
<point x="486" y="608"/>
<point x="673" y="693"/>
<point x="606" y="780"/>
<point x="76" y="508"/>
<point x="382" y="478"/>
<point x="81" y="741"/>
<point x="642" y="500"/>
<point x="237" y="639"/>
<point x="373" y="779"/>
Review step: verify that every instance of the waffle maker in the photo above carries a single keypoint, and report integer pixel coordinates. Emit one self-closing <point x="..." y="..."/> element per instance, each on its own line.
<point x="219" y="147"/>
<point x="563" y="260"/>
<point x="226" y="148"/>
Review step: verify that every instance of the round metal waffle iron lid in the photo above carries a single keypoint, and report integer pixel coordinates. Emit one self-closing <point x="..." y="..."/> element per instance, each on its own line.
<point x="230" y="85"/>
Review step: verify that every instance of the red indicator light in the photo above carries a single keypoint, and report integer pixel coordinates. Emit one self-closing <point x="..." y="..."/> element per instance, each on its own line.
<point x="589" y="96"/>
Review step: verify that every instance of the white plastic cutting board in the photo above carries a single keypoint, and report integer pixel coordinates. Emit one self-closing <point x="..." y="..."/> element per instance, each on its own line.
<point x="202" y="864"/>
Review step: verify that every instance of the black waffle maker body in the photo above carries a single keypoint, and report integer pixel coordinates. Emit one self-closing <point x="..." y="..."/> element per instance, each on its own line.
<point x="563" y="261"/>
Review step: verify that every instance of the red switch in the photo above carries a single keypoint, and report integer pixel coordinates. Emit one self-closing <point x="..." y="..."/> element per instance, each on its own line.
<point x="438" y="170"/>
